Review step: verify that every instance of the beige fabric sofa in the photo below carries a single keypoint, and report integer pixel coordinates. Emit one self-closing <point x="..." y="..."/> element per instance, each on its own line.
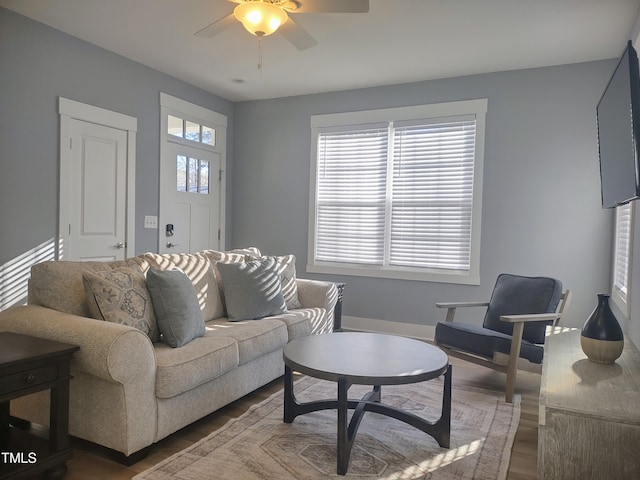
<point x="127" y="392"/>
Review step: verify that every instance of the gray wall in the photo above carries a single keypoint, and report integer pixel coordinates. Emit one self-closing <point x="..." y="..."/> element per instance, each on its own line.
<point x="37" y="65"/>
<point x="541" y="211"/>
<point x="541" y="202"/>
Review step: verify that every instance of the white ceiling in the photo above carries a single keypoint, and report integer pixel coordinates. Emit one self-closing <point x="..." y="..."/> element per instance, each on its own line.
<point x="397" y="41"/>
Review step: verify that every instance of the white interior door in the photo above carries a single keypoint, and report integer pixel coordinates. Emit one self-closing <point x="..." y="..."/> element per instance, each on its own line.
<point x="189" y="199"/>
<point x="97" y="183"/>
<point x="97" y="227"/>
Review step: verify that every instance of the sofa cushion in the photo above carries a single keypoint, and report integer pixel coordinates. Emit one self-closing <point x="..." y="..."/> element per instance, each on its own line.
<point x="237" y="255"/>
<point x="254" y="338"/>
<point x="58" y="284"/>
<point x="483" y="341"/>
<point x="252" y="289"/>
<point x="202" y="360"/>
<point x="299" y="322"/>
<point x="121" y="296"/>
<point x="176" y="306"/>
<point x="200" y="271"/>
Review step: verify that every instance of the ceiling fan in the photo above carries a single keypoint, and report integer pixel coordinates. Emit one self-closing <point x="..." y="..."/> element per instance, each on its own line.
<point x="264" y="17"/>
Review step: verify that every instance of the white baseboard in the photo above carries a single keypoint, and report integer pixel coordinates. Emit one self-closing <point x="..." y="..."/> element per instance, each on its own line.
<point x="421" y="332"/>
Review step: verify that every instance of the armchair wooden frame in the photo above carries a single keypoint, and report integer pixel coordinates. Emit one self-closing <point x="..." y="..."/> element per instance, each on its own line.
<point x="502" y="362"/>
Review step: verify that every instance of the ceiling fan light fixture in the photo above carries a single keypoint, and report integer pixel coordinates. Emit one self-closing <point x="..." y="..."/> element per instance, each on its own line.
<point x="260" y="18"/>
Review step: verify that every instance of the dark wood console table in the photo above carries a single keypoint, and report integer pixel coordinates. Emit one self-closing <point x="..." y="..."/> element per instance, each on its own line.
<point x="28" y="365"/>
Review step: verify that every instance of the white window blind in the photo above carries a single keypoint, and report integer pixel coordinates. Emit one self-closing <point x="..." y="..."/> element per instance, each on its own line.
<point x="397" y="197"/>
<point x="352" y="179"/>
<point x="432" y="194"/>
<point x="622" y="256"/>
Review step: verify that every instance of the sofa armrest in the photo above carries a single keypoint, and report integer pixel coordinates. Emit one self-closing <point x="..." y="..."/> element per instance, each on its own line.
<point x="114" y="372"/>
<point x="110" y="351"/>
<point x="318" y="294"/>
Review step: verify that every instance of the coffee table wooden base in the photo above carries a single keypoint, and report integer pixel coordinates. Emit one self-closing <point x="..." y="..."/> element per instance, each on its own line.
<point x="440" y="430"/>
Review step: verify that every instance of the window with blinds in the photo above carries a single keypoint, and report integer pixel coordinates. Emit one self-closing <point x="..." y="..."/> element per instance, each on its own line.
<point x="622" y="256"/>
<point x="399" y="198"/>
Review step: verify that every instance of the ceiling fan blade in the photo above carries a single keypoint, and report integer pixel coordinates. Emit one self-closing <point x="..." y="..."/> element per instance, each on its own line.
<point x="216" y="27"/>
<point x="297" y="35"/>
<point x="329" y="6"/>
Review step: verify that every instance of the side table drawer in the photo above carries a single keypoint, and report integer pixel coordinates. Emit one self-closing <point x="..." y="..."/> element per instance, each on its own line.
<point x="28" y="378"/>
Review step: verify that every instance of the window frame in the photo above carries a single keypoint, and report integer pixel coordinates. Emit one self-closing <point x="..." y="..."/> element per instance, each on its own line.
<point x="477" y="107"/>
<point x="622" y="299"/>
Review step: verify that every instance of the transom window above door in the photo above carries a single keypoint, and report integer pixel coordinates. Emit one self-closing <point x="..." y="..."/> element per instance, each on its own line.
<point x="192" y="131"/>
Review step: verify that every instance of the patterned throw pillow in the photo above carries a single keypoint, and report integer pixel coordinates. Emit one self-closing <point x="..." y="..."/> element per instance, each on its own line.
<point x="121" y="296"/>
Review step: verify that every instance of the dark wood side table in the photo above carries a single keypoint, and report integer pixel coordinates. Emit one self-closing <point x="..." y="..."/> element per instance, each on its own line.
<point x="27" y="365"/>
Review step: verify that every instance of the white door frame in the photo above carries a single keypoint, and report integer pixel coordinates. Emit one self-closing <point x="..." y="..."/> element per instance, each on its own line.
<point x="72" y="110"/>
<point x="173" y="105"/>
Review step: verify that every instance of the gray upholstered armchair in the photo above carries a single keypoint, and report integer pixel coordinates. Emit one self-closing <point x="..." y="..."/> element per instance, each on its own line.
<point x="514" y="325"/>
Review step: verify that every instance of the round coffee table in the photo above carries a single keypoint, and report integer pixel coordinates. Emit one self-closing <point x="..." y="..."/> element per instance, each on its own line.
<point x="355" y="358"/>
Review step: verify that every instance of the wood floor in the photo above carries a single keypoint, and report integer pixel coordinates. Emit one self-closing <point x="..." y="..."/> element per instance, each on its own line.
<point x="91" y="462"/>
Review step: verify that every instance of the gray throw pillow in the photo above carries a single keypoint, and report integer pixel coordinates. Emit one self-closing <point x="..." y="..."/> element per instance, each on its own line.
<point x="252" y="290"/>
<point x="176" y="306"/>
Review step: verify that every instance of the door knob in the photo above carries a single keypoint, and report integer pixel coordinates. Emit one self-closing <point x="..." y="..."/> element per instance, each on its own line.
<point x="171" y="245"/>
<point x="120" y="245"/>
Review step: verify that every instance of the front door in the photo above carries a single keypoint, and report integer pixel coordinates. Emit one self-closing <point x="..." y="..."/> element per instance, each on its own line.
<point x="189" y="199"/>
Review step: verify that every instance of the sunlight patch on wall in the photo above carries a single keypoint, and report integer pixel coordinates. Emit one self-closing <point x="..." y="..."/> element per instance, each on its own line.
<point x="14" y="275"/>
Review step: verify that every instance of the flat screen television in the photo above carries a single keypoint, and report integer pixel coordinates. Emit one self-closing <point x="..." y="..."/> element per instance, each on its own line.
<point x="618" y="117"/>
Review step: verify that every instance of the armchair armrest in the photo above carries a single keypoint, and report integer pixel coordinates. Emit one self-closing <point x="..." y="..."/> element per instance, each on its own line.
<point x="535" y="317"/>
<point x="518" y="322"/>
<point x="451" y="307"/>
<point x="114" y="352"/>
<point x="461" y="304"/>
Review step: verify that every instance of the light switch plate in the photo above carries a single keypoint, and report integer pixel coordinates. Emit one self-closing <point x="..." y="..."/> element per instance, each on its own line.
<point x="150" y="221"/>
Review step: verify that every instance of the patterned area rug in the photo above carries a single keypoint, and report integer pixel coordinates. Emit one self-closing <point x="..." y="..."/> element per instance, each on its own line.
<point x="258" y="445"/>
